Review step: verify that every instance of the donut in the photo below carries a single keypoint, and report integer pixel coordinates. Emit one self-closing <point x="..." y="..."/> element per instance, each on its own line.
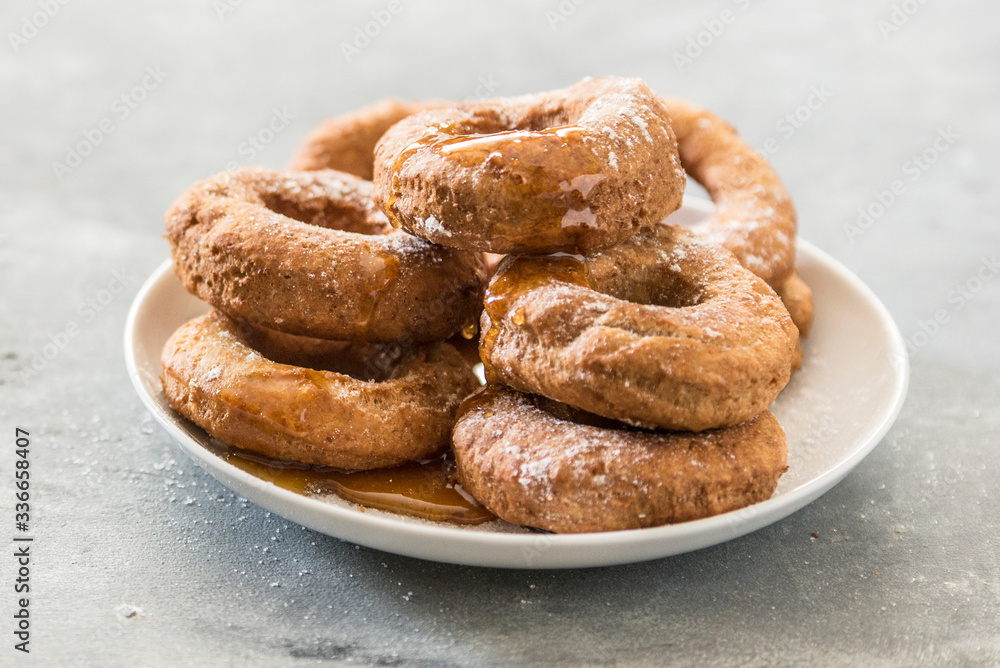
<point x="347" y="142"/>
<point x="576" y="170"/>
<point x="755" y="218"/>
<point x="306" y="253"/>
<point x="538" y="463"/>
<point x="328" y="403"/>
<point x="665" y="330"/>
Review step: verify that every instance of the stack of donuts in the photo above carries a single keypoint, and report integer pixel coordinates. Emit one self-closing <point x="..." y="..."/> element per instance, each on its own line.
<point x="629" y="362"/>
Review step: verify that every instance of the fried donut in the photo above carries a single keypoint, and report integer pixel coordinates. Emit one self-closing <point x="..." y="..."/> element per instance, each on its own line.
<point x="355" y="406"/>
<point x="755" y="218"/>
<point x="577" y="169"/>
<point x="664" y="330"/>
<point x="535" y="462"/>
<point x="347" y="142"/>
<point x="306" y="253"/>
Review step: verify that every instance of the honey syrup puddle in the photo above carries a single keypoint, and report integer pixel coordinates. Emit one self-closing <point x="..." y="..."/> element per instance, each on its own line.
<point x="426" y="489"/>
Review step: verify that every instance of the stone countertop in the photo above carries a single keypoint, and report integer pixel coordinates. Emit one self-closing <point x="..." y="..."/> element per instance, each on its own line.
<point x="141" y="558"/>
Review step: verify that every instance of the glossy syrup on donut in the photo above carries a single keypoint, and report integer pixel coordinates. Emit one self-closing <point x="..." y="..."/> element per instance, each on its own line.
<point x="306" y="253"/>
<point x="552" y="206"/>
<point x="424" y="488"/>
<point x="379" y="274"/>
<point x="427" y="489"/>
<point x="332" y="403"/>
<point x="522" y="277"/>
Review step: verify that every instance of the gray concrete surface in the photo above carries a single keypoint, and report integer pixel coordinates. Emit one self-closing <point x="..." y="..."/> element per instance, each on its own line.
<point x="142" y="559"/>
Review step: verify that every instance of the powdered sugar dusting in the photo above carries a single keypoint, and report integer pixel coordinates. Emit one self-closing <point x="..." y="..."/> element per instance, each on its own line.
<point x="643" y="125"/>
<point x="434" y="226"/>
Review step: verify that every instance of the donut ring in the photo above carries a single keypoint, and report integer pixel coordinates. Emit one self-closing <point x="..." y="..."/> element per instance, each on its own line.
<point x="306" y="253"/>
<point x="577" y="169"/>
<point x="214" y="375"/>
<point x="347" y="142"/>
<point x="755" y="218"/>
<point x="535" y="462"/>
<point x="664" y="330"/>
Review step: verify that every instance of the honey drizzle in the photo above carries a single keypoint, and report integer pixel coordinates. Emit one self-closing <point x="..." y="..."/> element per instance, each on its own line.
<point x="255" y="397"/>
<point x="524" y="274"/>
<point x="280" y="402"/>
<point x="433" y="135"/>
<point x="476" y="401"/>
<point x="375" y="276"/>
<point x="427" y="489"/>
<point x="469" y="331"/>
<point x="558" y="206"/>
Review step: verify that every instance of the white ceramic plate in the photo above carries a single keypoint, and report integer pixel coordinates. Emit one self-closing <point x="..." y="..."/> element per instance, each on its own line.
<point x="834" y="411"/>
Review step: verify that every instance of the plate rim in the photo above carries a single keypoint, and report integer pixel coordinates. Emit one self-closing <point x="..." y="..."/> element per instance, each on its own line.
<point x="493" y="549"/>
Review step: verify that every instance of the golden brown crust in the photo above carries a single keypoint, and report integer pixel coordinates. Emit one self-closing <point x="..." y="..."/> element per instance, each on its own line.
<point x="755" y="218"/>
<point x="306" y="253"/>
<point x="213" y="377"/>
<point x="798" y="299"/>
<point x="664" y="330"/>
<point x="534" y="462"/>
<point x="347" y="142"/>
<point x="577" y="170"/>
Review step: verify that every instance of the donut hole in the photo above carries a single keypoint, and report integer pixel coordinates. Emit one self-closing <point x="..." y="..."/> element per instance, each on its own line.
<point x="535" y="120"/>
<point x="544" y="121"/>
<point x="327" y="212"/>
<point x="676" y="292"/>
<point x="504" y="143"/>
<point x="369" y="362"/>
<point x="651" y="285"/>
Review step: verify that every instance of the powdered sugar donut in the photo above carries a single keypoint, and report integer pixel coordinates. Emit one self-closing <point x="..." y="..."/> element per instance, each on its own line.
<point x="329" y="403"/>
<point x="664" y="330"/>
<point x="577" y="169"/>
<point x="535" y="462"/>
<point x="755" y="218"/>
<point x="306" y="253"/>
